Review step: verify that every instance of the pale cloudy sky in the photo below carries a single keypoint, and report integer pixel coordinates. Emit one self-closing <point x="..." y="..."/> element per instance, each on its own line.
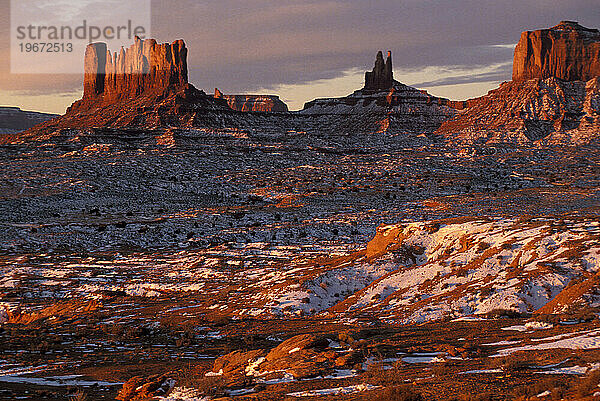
<point x="303" y="49"/>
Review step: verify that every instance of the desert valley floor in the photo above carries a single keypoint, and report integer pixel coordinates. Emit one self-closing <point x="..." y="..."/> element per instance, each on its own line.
<point x="355" y="267"/>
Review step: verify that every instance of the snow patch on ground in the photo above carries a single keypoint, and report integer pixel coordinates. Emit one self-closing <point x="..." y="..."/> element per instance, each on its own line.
<point x="335" y="391"/>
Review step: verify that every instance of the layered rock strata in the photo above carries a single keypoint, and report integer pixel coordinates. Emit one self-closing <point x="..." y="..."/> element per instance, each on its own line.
<point x="397" y="107"/>
<point x="567" y="51"/>
<point x="144" y="67"/>
<point x="256" y="103"/>
<point x="549" y="110"/>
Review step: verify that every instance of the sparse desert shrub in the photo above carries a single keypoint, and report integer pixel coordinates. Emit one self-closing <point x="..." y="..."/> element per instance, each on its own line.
<point x="512" y="363"/>
<point x="584" y="315"/>
<point x="482" y="246"/>
<point x="525" y="218"/>
<point x="443" y="368"/>
<point x="589" y="385"/>
<point x="378" y="375"/>
<point x="486" y="292"/>
<point x="546" y="318"/>
<point x="217" y="319"/>
<point x="195" y="378"/>
<point x="555" y="386"/>
<point x="79" y="395"/>
<point x="474" y="397"/>
<point x="397" y="393"/>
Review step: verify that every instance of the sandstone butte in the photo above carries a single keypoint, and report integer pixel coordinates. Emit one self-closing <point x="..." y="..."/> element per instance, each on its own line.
<point x="382" y="76"/>
<point x="552" y="97"/>
<point x="144" y="67"/>
<point x="567" y="51"/>
<point x="149" y="69"/>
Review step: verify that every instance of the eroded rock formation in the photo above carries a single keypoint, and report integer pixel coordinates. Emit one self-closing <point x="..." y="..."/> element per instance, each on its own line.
<point x="257" y="103"/>
<point x="144" y="86"/>
<point x="567" y="51"/>
<point x="146" y="66"/>
<point x="395" y="107"/>
<point x="553" y="97"/>
<point x="382" y="76"/>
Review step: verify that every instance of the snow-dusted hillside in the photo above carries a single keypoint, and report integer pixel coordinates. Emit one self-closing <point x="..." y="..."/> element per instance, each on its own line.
<point x="449" y="269"/>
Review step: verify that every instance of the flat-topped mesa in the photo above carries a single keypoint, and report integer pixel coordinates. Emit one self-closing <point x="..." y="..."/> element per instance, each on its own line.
<point x="256" y="103"/>
<point x="382" y="76"/>
<point x="146" y="66"/>
<point x="568" y="51"/>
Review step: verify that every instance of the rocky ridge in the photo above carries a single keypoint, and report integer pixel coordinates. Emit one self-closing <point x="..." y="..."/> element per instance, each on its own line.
<point x="397" y="107"/>
<point x="548" y="111"/>
<point x="145" y="87"/>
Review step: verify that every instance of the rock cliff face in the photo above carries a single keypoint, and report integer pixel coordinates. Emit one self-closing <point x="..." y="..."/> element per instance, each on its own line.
<point x="554" y="97"/>
<point x="567" y="51"/>
<point x="144" y="67"/>
<point x="257" y="103"/>
<point x="546" y="110"/>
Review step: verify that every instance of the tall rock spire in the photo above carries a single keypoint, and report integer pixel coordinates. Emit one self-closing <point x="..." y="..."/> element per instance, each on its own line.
<point x="389" y="73"/>
<point x="382" y="76"/>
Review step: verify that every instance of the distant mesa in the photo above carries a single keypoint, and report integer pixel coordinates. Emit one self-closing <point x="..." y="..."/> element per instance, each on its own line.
<point x="255" y="103"/>
<point x="150" y="69"/>
<point x="145" y="86"/>
<point x="13" y="119"/>
<point x="567" y="51"/>
<point x="554" y="96"/>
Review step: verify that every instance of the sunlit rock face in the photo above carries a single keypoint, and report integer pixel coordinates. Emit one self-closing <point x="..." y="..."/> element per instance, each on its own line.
<point x="567" y="51"/>
<point x="537" y="110"/>
<point x="146" y="66"/>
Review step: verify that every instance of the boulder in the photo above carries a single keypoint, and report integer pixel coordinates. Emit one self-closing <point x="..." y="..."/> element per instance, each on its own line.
<point x="142" y="388"/>
<point x="237" y="360"/>
<point x="302" y="356"/>
<point x="295" y="344"/>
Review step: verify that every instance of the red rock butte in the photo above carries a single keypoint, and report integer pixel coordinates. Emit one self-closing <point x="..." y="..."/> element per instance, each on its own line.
<point x="568" y="51"/>
<point x="146" y="66"/>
